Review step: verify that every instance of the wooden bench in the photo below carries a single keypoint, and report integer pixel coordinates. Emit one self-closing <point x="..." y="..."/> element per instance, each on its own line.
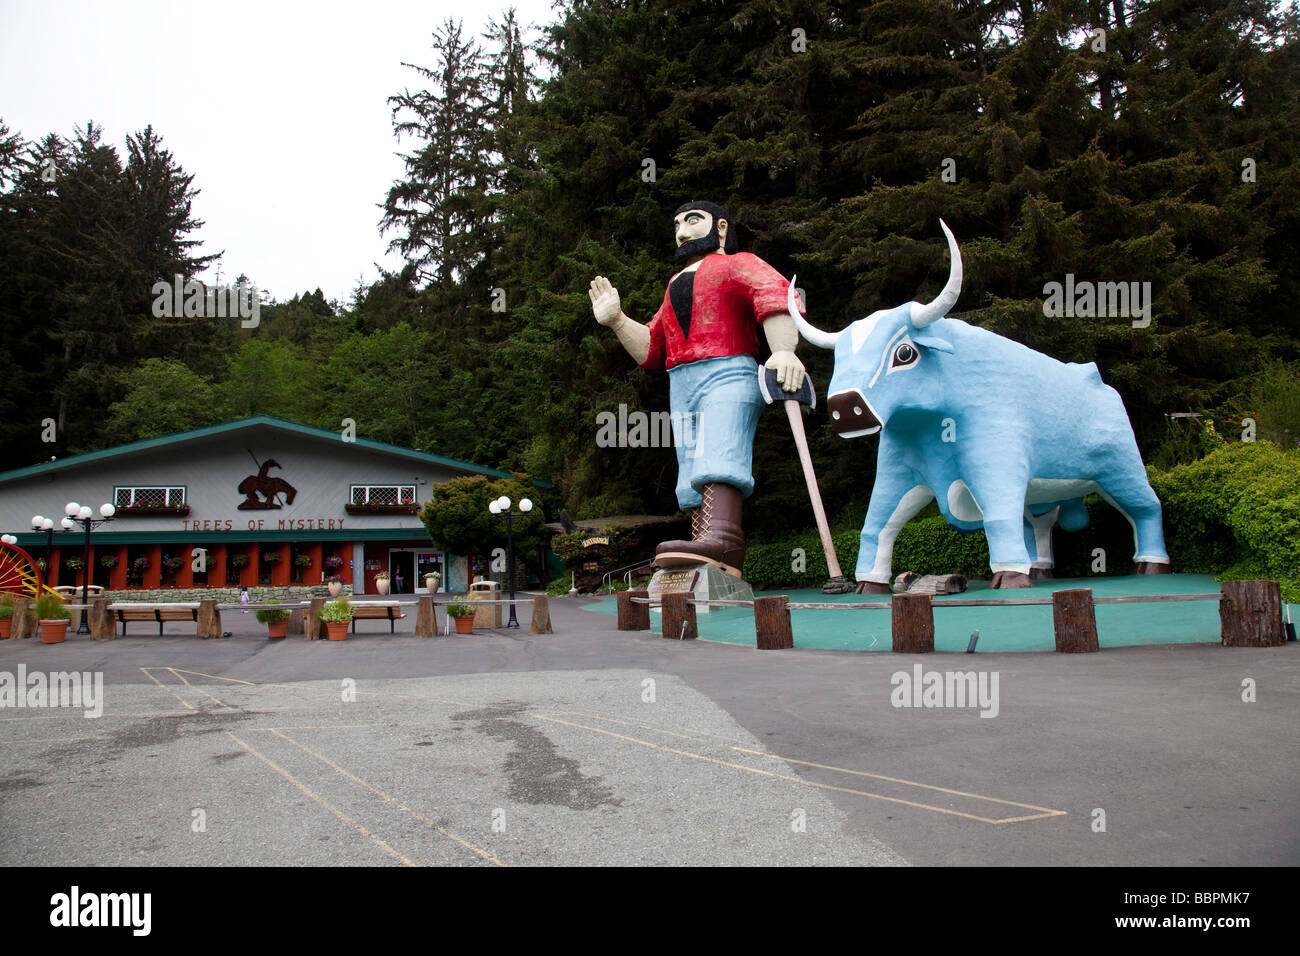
<point x="159" y="613"/>
<point x="371" y="611"/>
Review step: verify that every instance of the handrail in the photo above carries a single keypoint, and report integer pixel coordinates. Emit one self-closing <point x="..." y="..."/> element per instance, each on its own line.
<point x="605" y="581"/>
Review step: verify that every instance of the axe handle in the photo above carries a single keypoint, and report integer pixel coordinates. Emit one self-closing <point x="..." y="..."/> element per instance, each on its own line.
<point x="823" y="528"/>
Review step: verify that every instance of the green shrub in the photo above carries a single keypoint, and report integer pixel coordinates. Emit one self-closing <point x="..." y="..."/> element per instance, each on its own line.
<point x="273" y="615"/>
<point x="49" y="607"/>
<point x="460" y="610"/>
<point x="336" y="612"/>
<point x="1235" y="514"/>
<point x="6" y="606"/>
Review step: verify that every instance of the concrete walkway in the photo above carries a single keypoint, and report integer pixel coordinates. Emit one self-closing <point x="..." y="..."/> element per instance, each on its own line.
<point x="591" y="746"/>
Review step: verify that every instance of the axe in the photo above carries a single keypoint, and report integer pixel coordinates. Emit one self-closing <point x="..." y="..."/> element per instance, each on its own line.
<point x="772" y="391"/>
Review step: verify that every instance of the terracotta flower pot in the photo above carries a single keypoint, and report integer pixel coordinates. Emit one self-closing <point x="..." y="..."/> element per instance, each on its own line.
<point x="382" y="585"/>
<point x="6" y="627"/>
<point x="335" y="588"/>
<point x="278" y="629"/>
<point x="337" y="631"/>
<point x="53" y="632"/>
<point x="465" y="624"/>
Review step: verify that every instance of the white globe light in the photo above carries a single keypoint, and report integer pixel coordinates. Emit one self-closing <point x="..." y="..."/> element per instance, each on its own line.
<point x="71" y="509"/>
<point x="107" y="510"/>
<point x="38" y="521"/>
<point x="47" y="524"/>
<point x="503" y="503"/>
<point x="8" y="539"/>
<point x="494" y="507"/>
<point x="85" y="512"/>
<point x="525" y="505"/>
<point x="68" y="523"/>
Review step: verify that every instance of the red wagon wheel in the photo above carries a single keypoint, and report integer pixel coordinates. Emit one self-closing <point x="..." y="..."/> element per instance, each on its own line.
<point x="19" y="574"/>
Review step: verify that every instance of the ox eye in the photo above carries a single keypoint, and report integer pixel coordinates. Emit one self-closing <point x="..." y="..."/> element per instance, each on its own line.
<point x="904" y="355"/>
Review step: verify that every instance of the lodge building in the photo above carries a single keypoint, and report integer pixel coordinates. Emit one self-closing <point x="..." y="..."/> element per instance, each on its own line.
<point x="260" y="501"/>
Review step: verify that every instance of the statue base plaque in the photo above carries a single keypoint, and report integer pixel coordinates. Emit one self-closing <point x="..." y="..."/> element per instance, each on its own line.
<point x="706" y="581"/>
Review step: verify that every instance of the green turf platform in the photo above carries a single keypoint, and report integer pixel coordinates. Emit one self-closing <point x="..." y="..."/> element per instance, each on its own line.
<point x="1001" y="628"/>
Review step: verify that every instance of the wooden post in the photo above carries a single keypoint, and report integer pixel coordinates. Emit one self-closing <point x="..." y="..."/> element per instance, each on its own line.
<point x="313" y="627"/>
<point x="426" y="621"/>
<point x="297" y="623"/>
<point x="1250" y="614"/>
<point x="912" y="620"/>
<point x="101" y="622"/>
<point x="24" y="618"/>
<point x="1074" y="619"/>
<point x="209" y="622"/>
<point x="631" y="615"/>
<point x="541" y="616"/>
<point x="679" y="616"/>
<point x="772" y="623"/>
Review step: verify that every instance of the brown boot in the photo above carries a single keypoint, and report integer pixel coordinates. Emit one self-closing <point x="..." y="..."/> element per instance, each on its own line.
<point x="718" y="540"/>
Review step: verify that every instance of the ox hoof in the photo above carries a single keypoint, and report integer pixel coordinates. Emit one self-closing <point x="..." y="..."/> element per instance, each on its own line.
<point x="1039" y="574"/>
<point x="839" y="585"/>
<point x="872" y="587"/>
<point x="1152" y="567"/>
<point x="1011" y="579"/>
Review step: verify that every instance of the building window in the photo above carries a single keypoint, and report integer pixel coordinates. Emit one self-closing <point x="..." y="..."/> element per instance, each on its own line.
<point x="150" y="499"/>
<point x="382" y="499"/>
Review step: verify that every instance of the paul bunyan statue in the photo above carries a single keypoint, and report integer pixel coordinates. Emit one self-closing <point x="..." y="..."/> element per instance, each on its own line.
<point x="706" y="335"/>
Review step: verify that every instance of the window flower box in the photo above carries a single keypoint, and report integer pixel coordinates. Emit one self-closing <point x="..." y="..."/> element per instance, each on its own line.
<point x="406" y="509"/>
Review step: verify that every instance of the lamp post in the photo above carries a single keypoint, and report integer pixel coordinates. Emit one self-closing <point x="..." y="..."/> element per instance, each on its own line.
<point x="501" y="508"/>
<point x="42" y="523"/>
<point x="81" y="514"/>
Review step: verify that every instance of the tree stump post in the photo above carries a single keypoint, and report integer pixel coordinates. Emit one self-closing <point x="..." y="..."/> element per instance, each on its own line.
<point x="912" y="624"/>
<point x="772" y="623"/>
<point x="1250" y="614"/>
<point x="313" y="625"/>
<point x="297" y="623"/>
<point x="1074" y="619"/>
<point x="209" y="622"/>
<point x="426" y="619"/>
<point x="631" y="615"/>
<point x="101" y="621"/>
<point x="679" y="616"/>
<point x="24" y="618"/>
<point x="541" y="616"/>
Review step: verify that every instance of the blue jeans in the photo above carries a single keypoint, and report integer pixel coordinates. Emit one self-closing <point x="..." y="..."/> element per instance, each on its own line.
<point x="715" y="407"/>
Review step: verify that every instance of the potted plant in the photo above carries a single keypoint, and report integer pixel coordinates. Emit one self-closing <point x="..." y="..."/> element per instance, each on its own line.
<point x="337" y="615"/>
<point x="73" y="564"/>
<point x="463" y="614"/>
<point x="42" y="564"/>
<point x="333" y="562"/>
<point x="239" y="560"/>
<point x="276" y="619"/>
<point x="431" y="581"/>
<point x="53" y="617"/>
<point x="6" y="616"/>
<point x="334" y="584"/>
<point x="108" y="561"/>
<point x="174" y="562"/>
<point x="382" y="582"/>
<point x="271" y="557"/>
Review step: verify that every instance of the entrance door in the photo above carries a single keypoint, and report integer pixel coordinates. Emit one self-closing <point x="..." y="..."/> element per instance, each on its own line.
<point x="426" y="561"/>
<point x="413" y="564"/>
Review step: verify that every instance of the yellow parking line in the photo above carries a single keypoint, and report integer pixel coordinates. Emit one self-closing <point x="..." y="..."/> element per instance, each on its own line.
<point x="910" y="783"/>
<point x="786" y="777"/>
<point x="199" y="689"/>
<point x="164" y="687"/>
<point x="393" y="800"/>
<point x="323" y="802"/>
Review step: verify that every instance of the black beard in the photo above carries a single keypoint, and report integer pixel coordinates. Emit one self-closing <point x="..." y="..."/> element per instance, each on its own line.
<point x="697" y="247"/>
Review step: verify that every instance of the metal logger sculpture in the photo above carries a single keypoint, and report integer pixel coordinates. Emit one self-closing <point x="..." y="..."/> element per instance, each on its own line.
<point x="262" y="491"/>
<point x="1005" y="438"/>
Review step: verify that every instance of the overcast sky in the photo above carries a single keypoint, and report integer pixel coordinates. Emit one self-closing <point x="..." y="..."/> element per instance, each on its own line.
<point x="279" y="108"/>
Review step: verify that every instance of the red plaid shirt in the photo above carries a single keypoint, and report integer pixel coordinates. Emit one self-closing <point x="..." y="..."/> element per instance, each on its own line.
<point x="732" y="295"/>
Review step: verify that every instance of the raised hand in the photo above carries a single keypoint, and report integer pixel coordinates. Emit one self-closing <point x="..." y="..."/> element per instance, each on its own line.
<point x="605" y="304"/>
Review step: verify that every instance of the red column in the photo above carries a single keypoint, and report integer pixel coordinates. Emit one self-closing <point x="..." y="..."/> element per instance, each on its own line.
<point x="347" y="571"/>
<point x="185" y="573"/>
<point x="117" y="576"/>
<point x="52" y="571"/>
<point x="248" y="573"/>
<point x="282" y="569"/>
<point x="313" y="573"/>
<point x="152" y="576"/>
<point x="217" y="566"/>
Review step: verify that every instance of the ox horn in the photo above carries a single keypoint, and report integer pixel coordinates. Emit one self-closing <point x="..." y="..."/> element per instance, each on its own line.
<point x="823" y="340"/>
<point x="925" y="314"/>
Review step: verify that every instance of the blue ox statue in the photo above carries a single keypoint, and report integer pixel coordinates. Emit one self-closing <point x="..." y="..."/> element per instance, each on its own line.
<point x="1006" y="438"/>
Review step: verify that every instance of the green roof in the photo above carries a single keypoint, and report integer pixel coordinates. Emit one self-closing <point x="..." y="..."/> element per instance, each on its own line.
<point x="105" y="454"/>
